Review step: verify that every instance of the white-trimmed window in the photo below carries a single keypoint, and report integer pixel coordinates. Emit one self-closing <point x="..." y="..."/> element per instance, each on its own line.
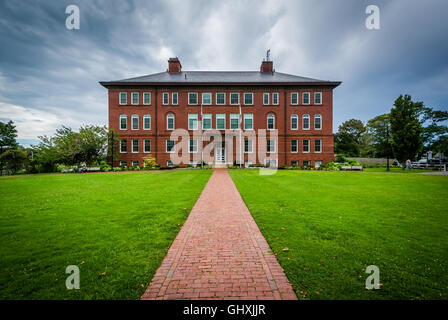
<point x="234" y="98"/>
<point x="317" y="97"/>
<point x="294" y="146"/>
<point x="123" y="122"/>
<point x="270" y="145"/>
<point x="175" y="98"/>
<point x="134" y="96"/>
<point x="306" y="122"/>
<point x="265" y="98"/>
<point x="317" y="163"/>
<point x="146" y="122"/>
<point x="123" y="98"/>
<point x="248" y="98"/>
<point x="306" y="162"/>
<point x="206" y="98"/>
<point x="146" y="97"/>
<point x="192" y="145"/>
<point x="306" y="146"/>
<point x="317" y="122"/>
<point x="248" y="146"/>
<point x="165" y="98"/>
<point x="306" y="98"/>
<point x="294" y="163"/>
<point x="294" y="98"/>
<point x="123" y="164"/>
<point x="135" y="163"/>
<point x="170" y="121"/>
<point x="146" y="145"/>
<point x="192" y="98"/>
<point x="294" y="122"/>
<point x="206" y="121"/>
<point x="248" y="121"/>
<point x="221" y="98"/>
<point x="220" y="121"/>
<point x="318" y="145"/>
<point x="170" y="146"/>
<point x="169" y="163"/>
<point x="234" y="121"/>
<point x="270" y="122"/>
<point x="134" y="122"/>
<point x="192" y="121"/>
<point x="275" y="98"/>
<point x="123" y="146"/>
<point x="134" y="145"/>
<point x="270" y="163"/>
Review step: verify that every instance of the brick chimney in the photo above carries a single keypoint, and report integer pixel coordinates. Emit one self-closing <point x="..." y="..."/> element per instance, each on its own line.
<point x="174" y="65"/>
<point x="267" y="66"/>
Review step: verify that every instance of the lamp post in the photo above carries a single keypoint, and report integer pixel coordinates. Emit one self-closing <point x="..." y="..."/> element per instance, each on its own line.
<point x="112" y="148"/>
<point x="387" y="142"/>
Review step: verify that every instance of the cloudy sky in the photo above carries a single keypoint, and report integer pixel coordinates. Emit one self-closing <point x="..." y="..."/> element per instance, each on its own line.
<point x="49" y="75"/>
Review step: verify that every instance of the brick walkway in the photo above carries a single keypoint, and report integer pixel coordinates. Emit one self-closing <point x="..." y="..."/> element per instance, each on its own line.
<point x="220" y="253"/>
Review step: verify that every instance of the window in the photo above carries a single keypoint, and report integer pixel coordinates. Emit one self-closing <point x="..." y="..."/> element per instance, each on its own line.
<point x="294" y="122"/>
<point x="306" y="162"/>
<point x="146" y="145"/>
<point x="135" y="122"/>
<point x="265" y="98"/>
<point x="317" y="97"/>
<point x="306" y="98"/>
<point x="248" y="147"/>
<point x="234" y="98"/>
<point x="221" y="98"/>
<point x="271" y="122"/>
<point x="174" y="98"/>
<point x="123" y="146"/>
<point x="220" y="121"/>
<point x="317" y="163"/>
<point x="318" y="145"/>
<point x="270" y="163"/>
<point x="206" y="121"/>
<point x="193" y="163"/>
<point x="306" y="122"/>
<point x="206" y="98"/>
<point x="135" y="163"/>
<point x="248" y="121"/>
<point x="134" y="97"/>
<point x="270" y="145"/>
<point x="146" y="97"/>
<point x="170" y="121"/>
<point x="248" y="98"/>
<point x="192" y="121"/>
<point x="123" y="98"/>
<point x="248" y="164"/>
<point x="123" y="164"/>
<point x="234" y="121"/>
<point x="169" y="163"/>
<point x="294" y="98"/>
<point x="146" y="122"/>
<point x="306" y="145"/>
<point x="317" y="122"/>
<point x="275" y="98"/>
<point x="294" y="146"/>
<point x="123" y="122"/>
<point x="166" y="98"/>
<point x="294" y="163"/>
<point x="192" y="98"/>
<point x="134" y="145"/>
<point x="192" y="145"/>
<point x="170" y="146"/>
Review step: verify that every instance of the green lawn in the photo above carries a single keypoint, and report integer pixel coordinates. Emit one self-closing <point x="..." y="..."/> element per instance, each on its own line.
<point x="398" y="170"/>
<point x="335" y="224"/>
<point x="119" y="224"/>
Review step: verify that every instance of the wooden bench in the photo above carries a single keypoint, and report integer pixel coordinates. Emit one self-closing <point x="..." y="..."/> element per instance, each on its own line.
<point x="351" y="168"/>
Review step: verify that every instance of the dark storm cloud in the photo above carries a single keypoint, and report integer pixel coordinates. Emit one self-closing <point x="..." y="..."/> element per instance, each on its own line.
<point x="50" y="74"/>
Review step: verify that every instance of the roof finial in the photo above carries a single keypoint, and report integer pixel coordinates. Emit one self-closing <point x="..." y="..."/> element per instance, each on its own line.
<point x="268" y="54"/>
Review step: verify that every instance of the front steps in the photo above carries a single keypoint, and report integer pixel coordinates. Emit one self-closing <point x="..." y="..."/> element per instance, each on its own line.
<point x="220" y="165"/>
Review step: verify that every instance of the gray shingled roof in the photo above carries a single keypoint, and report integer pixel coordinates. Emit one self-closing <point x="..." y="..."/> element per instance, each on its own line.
<point x="219" y="77"/>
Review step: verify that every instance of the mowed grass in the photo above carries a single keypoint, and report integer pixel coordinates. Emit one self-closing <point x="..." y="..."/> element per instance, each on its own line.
<point x="115" y="227"/>
<point x="335" y="224"/>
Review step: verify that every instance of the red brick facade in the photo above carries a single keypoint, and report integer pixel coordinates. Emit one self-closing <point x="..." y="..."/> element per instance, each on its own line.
<point x="283" y="111"/>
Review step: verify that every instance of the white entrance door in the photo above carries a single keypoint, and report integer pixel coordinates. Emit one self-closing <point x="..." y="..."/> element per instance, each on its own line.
<point x="220" y="154"/>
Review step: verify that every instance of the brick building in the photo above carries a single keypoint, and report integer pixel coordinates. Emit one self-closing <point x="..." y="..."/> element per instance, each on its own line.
<point x="295" y="112"/>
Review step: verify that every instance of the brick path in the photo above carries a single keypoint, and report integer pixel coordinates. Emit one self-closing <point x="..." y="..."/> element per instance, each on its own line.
<point x="220" y="253"/>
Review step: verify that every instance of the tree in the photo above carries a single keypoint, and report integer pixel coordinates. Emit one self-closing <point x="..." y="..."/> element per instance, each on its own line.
<point x="8" y="135"/>
<point x="377" y="129"/>
<point x="350" y="140"/>
<point x="435" y="133"/>
<point x="13" y="159"/>
<point x="405" y="128"/>
<point x="93" y="143"/>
